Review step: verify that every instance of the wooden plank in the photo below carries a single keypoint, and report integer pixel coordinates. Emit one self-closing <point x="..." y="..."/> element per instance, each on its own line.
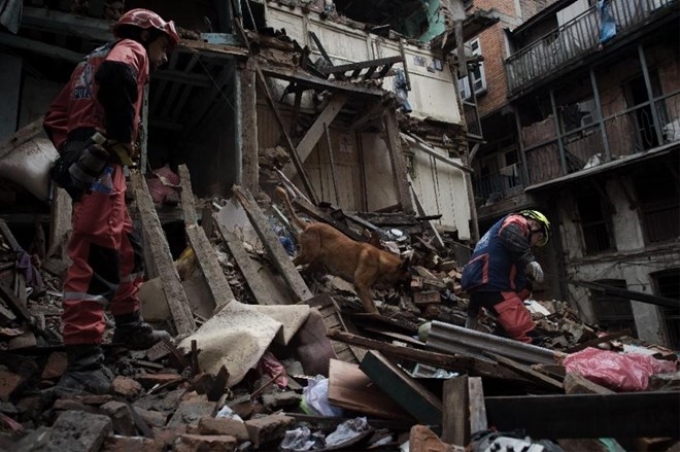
<point x="187" y="197"/>
<point x="271" y="243"/>
<point x="406" y="391"/>
<point x="332" y="163"/>
<point x="397" y="160"/>
<point x="317" y="83"/>
<point x="350" y="388"/>
<point x="314" y="133"/>
<point x="199" y="242"/>
<point x="389" y="61"/>
<point x="255" y="281"/>
<point x="455" y="415"/>
<point x="332" y="319"/>
<point x="624" y="415"/>
<point x="212" y="270"/>
<point x="319" y="215"/>
<point x="527" y="371"/>
<point x="439" y="243"/>
<point x="599" y="340"/>
<point x="17" y="305"/>
<point x="249" y="143"/>
<point x="292" y="149"/>
<point x="162" y="259"/>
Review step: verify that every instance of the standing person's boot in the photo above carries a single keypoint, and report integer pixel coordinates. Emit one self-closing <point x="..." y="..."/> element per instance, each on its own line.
<point x="135" y="333"/>
<point x="85" y="371"/>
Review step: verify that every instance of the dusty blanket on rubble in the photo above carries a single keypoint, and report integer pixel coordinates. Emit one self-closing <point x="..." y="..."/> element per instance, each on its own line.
<point x="240" y="334"/>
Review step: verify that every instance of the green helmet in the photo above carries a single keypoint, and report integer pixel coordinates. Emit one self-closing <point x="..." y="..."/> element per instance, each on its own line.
<point x="542" y="220"/>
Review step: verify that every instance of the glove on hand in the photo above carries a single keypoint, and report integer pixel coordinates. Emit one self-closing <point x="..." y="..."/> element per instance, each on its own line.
<point x="535" y="271"/>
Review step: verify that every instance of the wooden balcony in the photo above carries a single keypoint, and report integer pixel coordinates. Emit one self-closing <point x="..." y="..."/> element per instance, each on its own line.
<point x="577" y="39"/>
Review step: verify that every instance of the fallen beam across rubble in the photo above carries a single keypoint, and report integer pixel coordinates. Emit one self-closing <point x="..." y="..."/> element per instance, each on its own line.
<point x="631" y="415"/>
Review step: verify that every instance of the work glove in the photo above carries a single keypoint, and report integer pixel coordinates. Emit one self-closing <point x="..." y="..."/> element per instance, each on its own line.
<point x="535" y="271"/>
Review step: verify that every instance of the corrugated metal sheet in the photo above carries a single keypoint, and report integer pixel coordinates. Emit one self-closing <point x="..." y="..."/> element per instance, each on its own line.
<point x="448" y="338"/>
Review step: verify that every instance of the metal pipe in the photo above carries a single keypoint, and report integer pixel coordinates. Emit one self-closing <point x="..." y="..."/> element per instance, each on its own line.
<point x="449" y="338"/>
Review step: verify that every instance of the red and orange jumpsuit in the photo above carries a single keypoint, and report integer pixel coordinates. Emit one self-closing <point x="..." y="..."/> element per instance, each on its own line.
<point x="495" y="276"/>
<point x="104" y="94"/>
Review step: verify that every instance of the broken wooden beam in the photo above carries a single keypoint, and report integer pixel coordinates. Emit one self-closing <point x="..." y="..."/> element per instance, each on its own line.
<point x="397" y="160"/>
<point x="199" y="242"/>
<point x="271" y="242"/>
<point x="626" y="415"/>
<point x="292" y="149"/>
<point x="255" y="282"/>
<point x="527" y="372"/>
<point x="16" y="305"/>
<point x="162" y="259"/>
<point x="248" y="123"/>
<point x="317" y="83"/>
<point x="406" y="391"/>
<point x="457" y="363"/>
<point x="316" y="131"/>
<point x="464" y="410"/>
<point x="319" y="215"/>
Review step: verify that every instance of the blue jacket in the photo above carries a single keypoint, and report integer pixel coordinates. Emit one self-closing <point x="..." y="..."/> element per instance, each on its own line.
<point x="500" y="258"/>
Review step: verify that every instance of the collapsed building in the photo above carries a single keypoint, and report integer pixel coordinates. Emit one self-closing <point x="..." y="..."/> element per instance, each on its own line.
<point x="356" y="110"/>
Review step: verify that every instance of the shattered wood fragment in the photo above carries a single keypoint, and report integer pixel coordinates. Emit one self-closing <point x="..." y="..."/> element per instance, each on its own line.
<point x="271" y="243"/>
<point x="219" y="385"/>
<point x="14" y="303"/>
<point x="526" y="371"/>
<point x="205" y="253"/>
<point x="576" y="384"/>
<point x="316" y="131"/>
<point x="464" y="410"/>
<point x="158" y="351"/>
<point x="247" y="266"/>
<point x="406" y="391"/>
<point x="350" y="388"/>
<point x="333" y="320"/>
<point x="427" y="297"/>
<point x="319" y="215"/>
<point x="599" y="340"/>
<point x="162" y="258"/>
<point x="262" y="83"/>
<point x="187" y="196"/>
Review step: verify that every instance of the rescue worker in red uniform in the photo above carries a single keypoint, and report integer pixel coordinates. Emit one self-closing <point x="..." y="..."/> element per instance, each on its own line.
<point x="104" y="95"/>
<point x="496" y="276"/>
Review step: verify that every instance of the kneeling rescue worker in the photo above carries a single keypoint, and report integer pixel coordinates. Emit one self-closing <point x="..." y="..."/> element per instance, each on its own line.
<point x="496" y="276"/>
<point x="93" y="123"/>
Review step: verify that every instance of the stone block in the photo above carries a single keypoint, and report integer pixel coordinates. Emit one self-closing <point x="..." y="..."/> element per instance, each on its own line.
<point x="55" y="367"/>
<point x="152" y="418"/>
<point x="196" y="443"/>
<point x="76" y="431"/>
<point x="222" y="427"/>
<point x="121" y="416"/>
<point x="192" y="411"/>
<point x="125" y="387"/>
<point x="268" y="428"/>
<point x="134" y="444"/>
<point x="274" y="400"/>
<point x="9" y="382"/>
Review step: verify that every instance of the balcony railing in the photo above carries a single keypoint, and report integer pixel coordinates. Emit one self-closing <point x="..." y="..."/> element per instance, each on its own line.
<point x="502" y="184"/>
<point x="627" y="132"/>
<point x="574" y="40"/>
<point x="474" y="127"/>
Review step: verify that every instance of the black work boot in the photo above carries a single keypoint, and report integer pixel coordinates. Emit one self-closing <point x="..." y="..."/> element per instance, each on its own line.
<point x="85" y="372"/>
<point x="134" y="333"/>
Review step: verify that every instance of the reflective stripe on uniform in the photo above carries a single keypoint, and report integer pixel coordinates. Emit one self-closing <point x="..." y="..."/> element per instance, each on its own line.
<point x="81" y="296"/>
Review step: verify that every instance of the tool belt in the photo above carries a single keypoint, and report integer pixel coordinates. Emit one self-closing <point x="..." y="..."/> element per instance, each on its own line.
<point x="83" y="159"/>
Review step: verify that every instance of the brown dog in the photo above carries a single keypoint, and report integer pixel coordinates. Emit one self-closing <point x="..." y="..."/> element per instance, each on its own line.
<point x="360" y="263"/>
